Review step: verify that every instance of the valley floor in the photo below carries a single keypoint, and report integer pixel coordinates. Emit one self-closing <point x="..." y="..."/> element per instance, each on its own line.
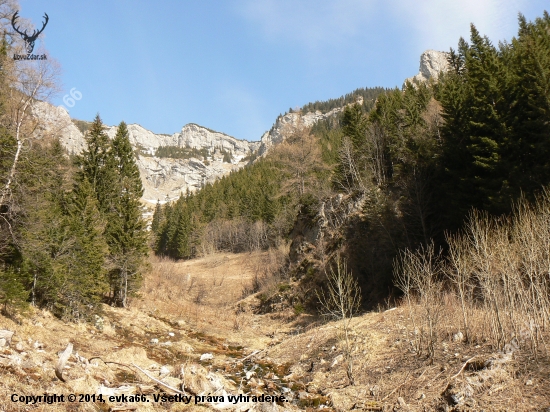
<point x="191" y="332"/>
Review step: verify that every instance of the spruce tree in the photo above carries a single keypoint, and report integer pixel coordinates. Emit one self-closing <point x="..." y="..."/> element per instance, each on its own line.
<point x="13" y="293"/>
<point x="158" y="218"/>
<point x="126" y="230"/>
<point x="96" y="164"/>
<point x="487" y="130"/>
<point x="354" y="125"/>
<point x="62" y="247"/>
<point x="475" y="134"/>
<point x="527" y="93"/>
<point x="84" y="270"/>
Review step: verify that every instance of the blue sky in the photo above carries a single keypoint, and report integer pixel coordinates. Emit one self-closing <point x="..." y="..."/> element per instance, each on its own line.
<point x="234" y="65"/>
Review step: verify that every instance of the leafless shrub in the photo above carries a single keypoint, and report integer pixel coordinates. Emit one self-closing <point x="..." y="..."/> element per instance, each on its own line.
<point x="200" y="295"/>
<point x="460" y="272"/>
<point x="269" y="270"/>
<point x="498" y="270"/>
<point x="342" y="300"/>
<point x="236" y="235"/>
<point x="417" y="276"/>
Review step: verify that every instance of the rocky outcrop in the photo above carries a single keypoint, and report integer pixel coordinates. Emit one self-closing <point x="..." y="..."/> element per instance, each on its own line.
<point x="163" y="178"/>
<point x="191" y="136"/>
<point x="56" y="122"/>
<point x="288" y="123"/>
<point x="432" y="63"/>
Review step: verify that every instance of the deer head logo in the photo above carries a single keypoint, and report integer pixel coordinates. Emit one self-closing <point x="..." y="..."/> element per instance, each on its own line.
<point x="29" y="40"/>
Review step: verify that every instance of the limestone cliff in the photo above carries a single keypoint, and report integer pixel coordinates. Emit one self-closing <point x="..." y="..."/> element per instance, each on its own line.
<point x="288" y="123"/>
<point x="432" y="63"/>
<point x="162" y="177"/>
<point x="166" y="177"/>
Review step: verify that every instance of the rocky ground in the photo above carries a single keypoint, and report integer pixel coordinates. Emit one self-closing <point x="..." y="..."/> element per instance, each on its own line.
<point x="192" y="337"/>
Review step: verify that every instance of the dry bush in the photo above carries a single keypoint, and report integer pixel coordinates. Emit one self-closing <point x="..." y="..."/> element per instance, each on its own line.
<point x="269" y="270"/>
<point x="496" y="279"/>
<point x="418" y="276"/>
<point x="342" y="301"/>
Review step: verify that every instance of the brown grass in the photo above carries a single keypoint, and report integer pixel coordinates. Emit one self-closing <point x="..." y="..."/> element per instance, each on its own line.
<point x="493" y="293"/>
<point x="204" y="292"/>
<point x="499" y="272"/>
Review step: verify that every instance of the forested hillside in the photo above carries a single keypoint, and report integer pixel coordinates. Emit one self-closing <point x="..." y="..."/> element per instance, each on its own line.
<point x="399" y="238"/>
<point x="416" y="163"/>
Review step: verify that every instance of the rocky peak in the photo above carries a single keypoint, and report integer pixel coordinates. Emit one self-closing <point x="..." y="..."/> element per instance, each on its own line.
<point x="432" y="63"/>
<point x="286" y="124"/>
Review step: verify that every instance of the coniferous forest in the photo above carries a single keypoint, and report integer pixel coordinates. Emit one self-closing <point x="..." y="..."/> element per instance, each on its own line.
<point x="399" y="238"/>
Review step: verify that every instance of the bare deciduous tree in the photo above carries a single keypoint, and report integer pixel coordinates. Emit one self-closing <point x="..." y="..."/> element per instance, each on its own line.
<point x="417" y="275"/>
<point x="26" y="82"/>
<point x="349" y="178"/>
<point x="22" y="84"/>
<point x="376" y="153"/>
<point x="460" y="272"/>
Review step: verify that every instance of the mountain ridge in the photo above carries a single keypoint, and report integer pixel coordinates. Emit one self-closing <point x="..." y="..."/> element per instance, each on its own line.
<point x="163" y="178"/>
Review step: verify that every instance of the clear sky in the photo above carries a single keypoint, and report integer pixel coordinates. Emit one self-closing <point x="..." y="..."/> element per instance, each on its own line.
<point x="234" y="65"/>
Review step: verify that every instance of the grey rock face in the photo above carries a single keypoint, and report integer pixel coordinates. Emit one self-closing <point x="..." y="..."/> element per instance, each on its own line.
<point x="285" y="125"/>
<point x="56" y="122"/>
<point x="432" y="63"/>
<point x="163" y="178"/>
